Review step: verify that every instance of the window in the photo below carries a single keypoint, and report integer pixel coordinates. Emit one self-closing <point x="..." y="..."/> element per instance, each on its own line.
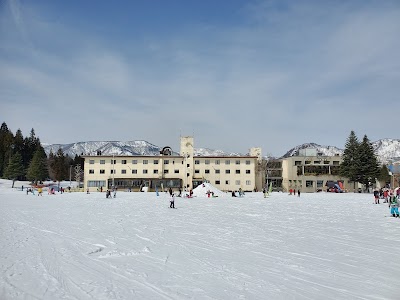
<point x="227" y="171"/>
<point x="155" y="161"/>
<point x="237" y="182"/>
<point x="207" y="171"/>
<point x="134" y="171"/>
<point x="227" y="162"/>
<point x="123" y="161"/>
<point x="207" y="161"/>
<point x="91" y="171"/>
<point x="96" y="183"/>
<point x="134" y="162"/>
<point x="176" y="171"/>
<point x="237" y="162"/>
<point x="113" y="172"/>
<point x="297" y="163"/>
<point x="91" y="161"/>
<point x="237" y="171"/>
<point x="309" y="183"/>
<point x="102" y="171"/>
<point x="145" y="171"/>
<point x="145" y="162"/>
<point x="247" y="162"/>
<point x="307" y="162"/>
<point x="226" y="181"/>
<point x="217" y="182"/>
<point x="316" y="162"/>
<point x="113" y="161"/>
<point x="248" y="182"/>
<point x="196" y="171"/>
<point x="197" y="162"/>
<point x="320" y="183"/>
<point x="247" y="171"/>
<point x="123" y="171"/>
<point x="217" y="162"/>
<point x="217" y="171"/>
<point x="335" y="163"/>
<point x="166" y="171"/>
<point x="155" y="171"/>
<point x="102" y="161"/>
<point x="166" y="162"/>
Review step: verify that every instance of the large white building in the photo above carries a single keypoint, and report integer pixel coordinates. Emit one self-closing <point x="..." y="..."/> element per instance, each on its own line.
<point x="227" y="173"/>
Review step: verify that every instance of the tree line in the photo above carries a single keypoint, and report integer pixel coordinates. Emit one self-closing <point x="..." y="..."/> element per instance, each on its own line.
<point x="360" y="163"/>
<point x="24" y="158"/>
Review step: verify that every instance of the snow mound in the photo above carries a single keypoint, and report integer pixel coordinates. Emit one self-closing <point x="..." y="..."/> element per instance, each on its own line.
<point x="202" y="189"/>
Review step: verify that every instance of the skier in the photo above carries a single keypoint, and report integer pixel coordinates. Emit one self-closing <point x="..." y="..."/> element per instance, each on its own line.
<point x="265" y="192"/>
<point x="172" y="201"/>
<point x="298" y="193"/>
<point x="394" y="205"/>
<point x="376" y="195"/>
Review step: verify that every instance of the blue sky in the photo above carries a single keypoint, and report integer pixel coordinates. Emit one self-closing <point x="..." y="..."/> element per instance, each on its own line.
<point x="235" y="74"/>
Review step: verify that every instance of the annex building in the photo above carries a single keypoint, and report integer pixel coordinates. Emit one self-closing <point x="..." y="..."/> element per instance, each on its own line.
<point x="310" y="171"/>
<point x="227" y="173"/>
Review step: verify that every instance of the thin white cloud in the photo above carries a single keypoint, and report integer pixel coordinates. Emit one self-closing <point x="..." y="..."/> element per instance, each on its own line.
<point x="288" y="76"/>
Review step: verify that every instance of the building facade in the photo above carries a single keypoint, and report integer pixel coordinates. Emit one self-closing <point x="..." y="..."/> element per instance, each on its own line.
<point x="185" y="170"/>
<point x="310" y="171"/>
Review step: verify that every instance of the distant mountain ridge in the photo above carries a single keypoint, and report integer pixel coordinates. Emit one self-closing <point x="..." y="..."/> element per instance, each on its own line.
<point x="385" y="149"/>
<point x="135" y="148"/>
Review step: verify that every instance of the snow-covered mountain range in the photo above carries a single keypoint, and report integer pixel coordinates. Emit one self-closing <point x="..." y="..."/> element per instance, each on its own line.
<point x="385" y="149"/>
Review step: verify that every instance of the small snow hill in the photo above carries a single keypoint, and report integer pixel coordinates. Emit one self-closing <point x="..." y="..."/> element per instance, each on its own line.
<point x="202" y="189"/>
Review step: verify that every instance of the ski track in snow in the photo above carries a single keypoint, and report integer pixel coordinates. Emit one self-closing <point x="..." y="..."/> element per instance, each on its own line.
<point x="84" y="246"/>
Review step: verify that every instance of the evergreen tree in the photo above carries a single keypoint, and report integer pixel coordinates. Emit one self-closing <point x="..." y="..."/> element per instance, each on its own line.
<point x="6" y="147"/>
<point x="384" y="174"/>
<point x="369" y="166"/>
<point x="31" y="144"/>
<point x="51" y="163"/>
<point x="60" y="167"/>
<point x="37" y="170"/>
<point x="15" y="168"/>
<point x="19" y="142"/>
<point x="350" y="165"/>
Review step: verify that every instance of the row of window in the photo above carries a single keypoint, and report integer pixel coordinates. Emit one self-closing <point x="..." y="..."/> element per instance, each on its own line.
<point x="309" y="183"/>
<point x="166" y="162"/>
<point x="227" y="182"/>
<point x="316" y="162"/>
<point x="218" y="162"/>
<point x="217" y="171"/>
<point x="145" y="171"/>
<point x="102" y="183"/>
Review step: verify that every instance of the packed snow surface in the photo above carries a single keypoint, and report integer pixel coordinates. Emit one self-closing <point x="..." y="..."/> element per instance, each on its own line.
<point x="84" y="246"/>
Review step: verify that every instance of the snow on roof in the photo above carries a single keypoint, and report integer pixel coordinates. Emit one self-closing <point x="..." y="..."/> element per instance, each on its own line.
<point x="202" y="189"/>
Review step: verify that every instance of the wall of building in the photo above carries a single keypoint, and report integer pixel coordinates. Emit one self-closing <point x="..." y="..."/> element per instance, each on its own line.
<point x="307" y="173"/>
<point x="226" y="173"/>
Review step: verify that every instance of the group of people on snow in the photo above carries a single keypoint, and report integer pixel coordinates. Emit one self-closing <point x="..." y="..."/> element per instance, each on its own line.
<point x="392" y="197"/>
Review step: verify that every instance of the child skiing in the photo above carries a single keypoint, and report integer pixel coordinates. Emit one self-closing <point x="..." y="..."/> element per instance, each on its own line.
<point x="172" y="201"/>
<point x="394" y="205"/>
